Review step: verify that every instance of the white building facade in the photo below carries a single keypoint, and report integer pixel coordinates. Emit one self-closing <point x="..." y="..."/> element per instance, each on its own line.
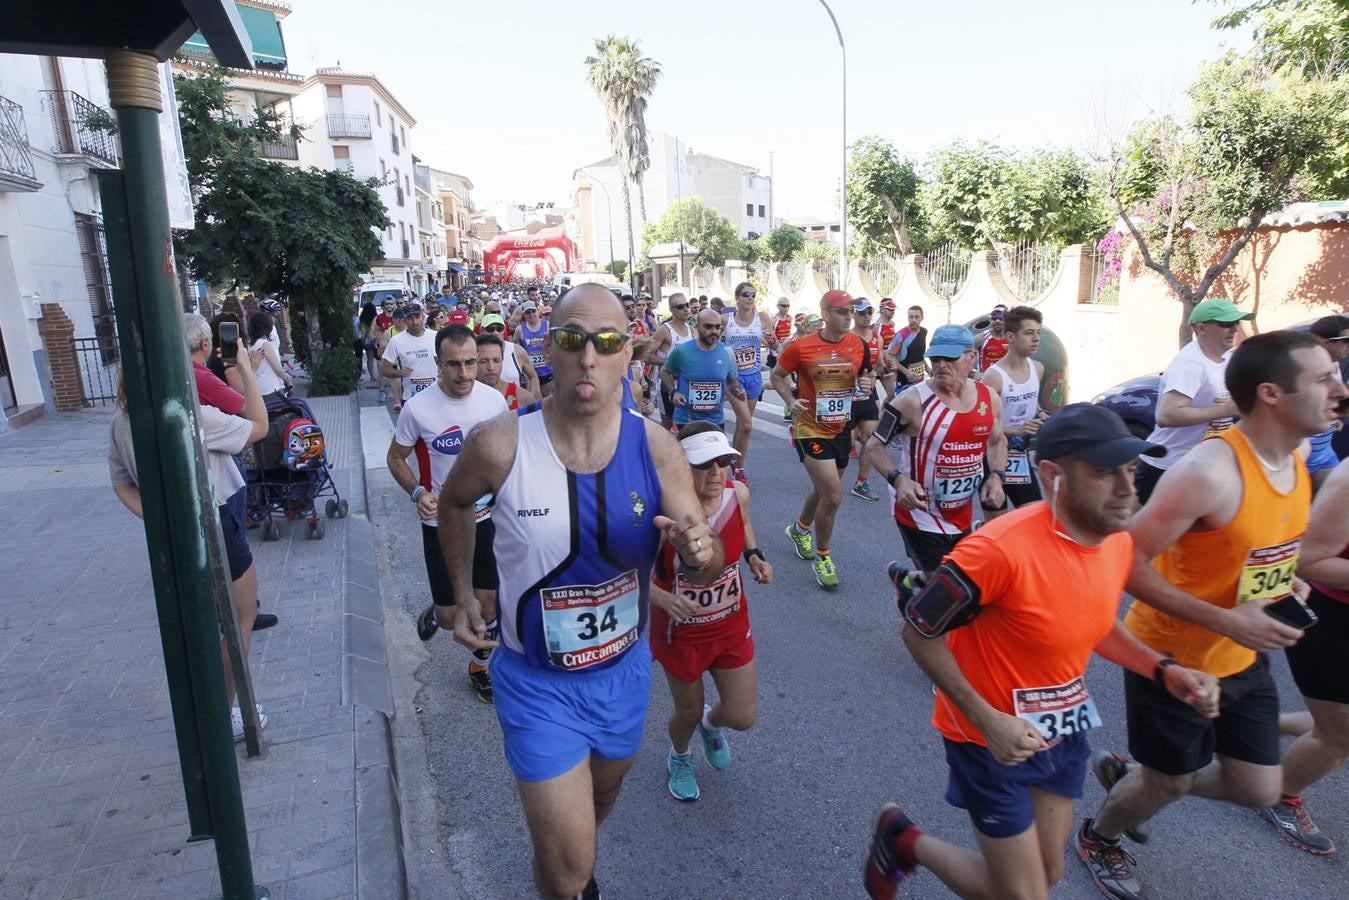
<point x="736" y="190"/>
<point x="353" y="121"/>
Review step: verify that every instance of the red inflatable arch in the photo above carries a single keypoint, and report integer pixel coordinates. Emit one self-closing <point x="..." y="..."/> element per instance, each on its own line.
<point x="549" y="247"/>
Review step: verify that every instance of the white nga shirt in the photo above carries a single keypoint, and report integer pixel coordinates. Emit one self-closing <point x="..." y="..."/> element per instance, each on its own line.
<point x="1193" y="375"/>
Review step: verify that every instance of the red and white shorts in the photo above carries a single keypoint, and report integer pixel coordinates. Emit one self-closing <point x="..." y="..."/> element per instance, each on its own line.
<point x="687" y="660"/>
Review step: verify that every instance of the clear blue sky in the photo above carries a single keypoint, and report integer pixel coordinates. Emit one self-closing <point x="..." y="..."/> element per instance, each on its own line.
<point x="498" y="88"/>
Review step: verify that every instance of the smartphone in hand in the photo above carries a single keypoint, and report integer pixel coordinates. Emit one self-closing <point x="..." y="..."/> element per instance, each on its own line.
<point x="229" y="340"/>
<point x="1292" y="611"/>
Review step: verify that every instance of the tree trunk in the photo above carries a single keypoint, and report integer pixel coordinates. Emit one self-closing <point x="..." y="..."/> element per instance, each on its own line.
<point x="627" y="217"/>
<point x="898" y="225"/>
<point x="641" y="200"/>
<point x="311" y="327"/>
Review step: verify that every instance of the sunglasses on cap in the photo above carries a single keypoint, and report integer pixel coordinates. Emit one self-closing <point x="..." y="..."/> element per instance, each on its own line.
<point x="748" y="294"/>
<point x="573" y="340"/>
<point x="721" y="462"/>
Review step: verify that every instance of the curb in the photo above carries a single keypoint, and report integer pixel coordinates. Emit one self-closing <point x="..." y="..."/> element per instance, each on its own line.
<point x="381" y="871"/>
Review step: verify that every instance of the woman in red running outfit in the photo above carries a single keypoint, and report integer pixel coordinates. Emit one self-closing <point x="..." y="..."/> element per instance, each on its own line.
<point x="705" y="628"/>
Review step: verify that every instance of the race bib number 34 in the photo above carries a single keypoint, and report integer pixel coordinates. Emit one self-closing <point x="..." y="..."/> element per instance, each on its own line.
<point x="588" y="624"/>
<point x="1057" y="712"/>
<point x="1268" y="572"/>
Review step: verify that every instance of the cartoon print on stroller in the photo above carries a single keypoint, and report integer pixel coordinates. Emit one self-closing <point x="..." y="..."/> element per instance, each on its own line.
<point x="289" y="471"/>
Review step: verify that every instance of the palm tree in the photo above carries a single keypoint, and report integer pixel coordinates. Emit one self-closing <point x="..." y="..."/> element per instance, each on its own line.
<point x="622" y="78"/>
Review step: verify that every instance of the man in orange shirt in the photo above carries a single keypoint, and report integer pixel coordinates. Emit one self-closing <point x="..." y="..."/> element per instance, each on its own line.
<point x="1215" y="547"/>
<point x="830" y="366"/>
<point x="1007" y="649"/>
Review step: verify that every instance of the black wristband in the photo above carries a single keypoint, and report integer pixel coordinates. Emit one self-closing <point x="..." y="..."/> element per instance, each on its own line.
<point x="753" y="551"/>
<point x="1159" y="673"/>
<point x="892" y="476"/>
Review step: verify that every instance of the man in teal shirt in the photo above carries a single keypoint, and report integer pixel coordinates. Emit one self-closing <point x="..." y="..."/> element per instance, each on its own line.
<point x="699" y="374"/>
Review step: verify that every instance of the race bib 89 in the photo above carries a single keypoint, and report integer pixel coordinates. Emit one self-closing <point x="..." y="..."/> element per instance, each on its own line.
<point x="833" y="407"/>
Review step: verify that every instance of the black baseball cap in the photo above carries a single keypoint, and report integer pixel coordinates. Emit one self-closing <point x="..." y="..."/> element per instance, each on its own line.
<point x="413" y="307"/>
<point x="1092" y="434"/>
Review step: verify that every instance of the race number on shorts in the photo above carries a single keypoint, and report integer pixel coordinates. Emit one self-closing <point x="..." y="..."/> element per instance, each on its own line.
<point x="588" y="624"/>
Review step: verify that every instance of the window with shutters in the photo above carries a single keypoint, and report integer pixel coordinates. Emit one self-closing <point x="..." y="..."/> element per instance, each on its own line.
<point x="94" y="255"/>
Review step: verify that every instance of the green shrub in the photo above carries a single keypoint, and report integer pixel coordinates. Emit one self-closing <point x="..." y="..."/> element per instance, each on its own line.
<point x="336" y="372"/>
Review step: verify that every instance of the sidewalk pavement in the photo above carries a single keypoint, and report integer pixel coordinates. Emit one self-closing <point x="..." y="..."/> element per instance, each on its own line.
<point x="92" y="793"/>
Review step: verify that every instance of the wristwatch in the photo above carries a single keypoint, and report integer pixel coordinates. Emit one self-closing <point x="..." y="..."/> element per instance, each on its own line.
<point x="1159" y="673"/>
<point x="892" y="476"/>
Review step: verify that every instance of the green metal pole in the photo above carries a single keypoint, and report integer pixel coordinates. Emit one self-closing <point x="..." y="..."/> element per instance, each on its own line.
<point x="161" y="403"/>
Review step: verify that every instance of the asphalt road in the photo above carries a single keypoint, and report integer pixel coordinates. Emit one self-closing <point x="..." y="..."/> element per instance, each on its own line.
<point x="843" y="725"/>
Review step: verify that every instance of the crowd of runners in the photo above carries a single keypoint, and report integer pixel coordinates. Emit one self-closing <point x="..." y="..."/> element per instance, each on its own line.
<point x="587" y="443"/>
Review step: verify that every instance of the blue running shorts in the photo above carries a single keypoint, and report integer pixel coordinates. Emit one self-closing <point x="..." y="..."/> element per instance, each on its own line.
<point x="550" y="721"/>
<point x="752" y="382"/>
<point x="997" y="797"/>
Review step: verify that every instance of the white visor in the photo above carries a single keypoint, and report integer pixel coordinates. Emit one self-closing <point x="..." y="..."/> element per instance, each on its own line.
<point x="708" y="445"/>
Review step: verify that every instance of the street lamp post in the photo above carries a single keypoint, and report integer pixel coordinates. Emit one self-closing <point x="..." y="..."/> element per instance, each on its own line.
<point x="843" y="185"/>
<point x="609" y="205"/>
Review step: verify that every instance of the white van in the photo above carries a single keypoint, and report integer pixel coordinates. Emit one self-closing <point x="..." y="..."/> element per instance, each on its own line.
<point x="377" y="292"/>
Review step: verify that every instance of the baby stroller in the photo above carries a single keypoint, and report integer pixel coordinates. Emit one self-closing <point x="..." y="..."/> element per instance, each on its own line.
<point x="289" y="471"/>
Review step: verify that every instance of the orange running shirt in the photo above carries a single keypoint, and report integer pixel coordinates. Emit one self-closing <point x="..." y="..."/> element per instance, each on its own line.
<point x="1252" y="557"/>
<point x="826" y="375"/>
<point x="1046" y="603"/>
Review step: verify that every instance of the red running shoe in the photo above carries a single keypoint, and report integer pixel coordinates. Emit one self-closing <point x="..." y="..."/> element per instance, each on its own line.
<point x="886" y="866"/>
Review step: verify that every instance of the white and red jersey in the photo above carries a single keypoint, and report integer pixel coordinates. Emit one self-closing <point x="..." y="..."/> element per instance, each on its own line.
<point x="722" y="609"/>
<point x="947" y="459"/>
<point x="874" y="350"/>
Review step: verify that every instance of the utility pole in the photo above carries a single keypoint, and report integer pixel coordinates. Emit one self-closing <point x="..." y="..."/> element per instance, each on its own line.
<point x="770" y="190"/>
<point x="843" y="184"/>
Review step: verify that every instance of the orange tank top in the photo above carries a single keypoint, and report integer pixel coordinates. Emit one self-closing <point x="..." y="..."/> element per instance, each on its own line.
<point x="1252" y="557"/>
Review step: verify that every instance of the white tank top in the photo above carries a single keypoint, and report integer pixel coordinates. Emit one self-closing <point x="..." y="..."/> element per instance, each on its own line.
<point x="1020" y="399"/>
<point x="510" y="366"/>
<point x="744" y="342"/>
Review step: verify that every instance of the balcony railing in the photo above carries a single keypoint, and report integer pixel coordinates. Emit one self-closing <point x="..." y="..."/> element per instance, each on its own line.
<point x="284" y="147"/>
<point x="398" y="193"/>
<point x="348" y="126"/>
<point x="16" y="156"/>
<point x="82" y="127"/>
<point x="393" y="141"/>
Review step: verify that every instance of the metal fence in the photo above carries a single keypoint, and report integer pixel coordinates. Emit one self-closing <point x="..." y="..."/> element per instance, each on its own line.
<point x="95" y="356"/>
<point x="884" y="273"/>
<point x="1028" y="267"/>
<point x="16" y="157"/>
<point x="82" y="126"/>
<point x="284" y="147"/>
<point x="794" y="274"/>
<point x="1104" y="284"/>
<point x="353" y="126"/>
<point x="946" y="267"/>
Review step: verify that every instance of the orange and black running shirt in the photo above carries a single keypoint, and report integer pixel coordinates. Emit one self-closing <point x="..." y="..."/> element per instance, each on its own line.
<point x="1046" y="601"/>
<point x="826" y="376"/>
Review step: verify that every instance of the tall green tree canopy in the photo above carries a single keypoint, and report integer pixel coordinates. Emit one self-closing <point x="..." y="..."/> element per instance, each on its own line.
<point x="883" y="205"/>
<point x="1308" y="36"/>
<point x="1192" y="191"/>
<point x="779" y="244"/>
<point x="693" y="221"/>
<point x="302" y="235"/>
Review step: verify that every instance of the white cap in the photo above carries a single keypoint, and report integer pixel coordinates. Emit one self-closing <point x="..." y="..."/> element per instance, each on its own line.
<point x="707" y="445"/>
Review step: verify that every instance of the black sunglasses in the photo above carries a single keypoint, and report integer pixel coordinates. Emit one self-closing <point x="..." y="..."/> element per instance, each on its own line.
<point x="749" y="294"/>
<point x="724" y="462"/>
<point x="573" y="340"/>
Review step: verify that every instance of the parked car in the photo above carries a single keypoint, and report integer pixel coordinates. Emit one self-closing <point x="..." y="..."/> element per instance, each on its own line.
<point x="1135" y="401"/>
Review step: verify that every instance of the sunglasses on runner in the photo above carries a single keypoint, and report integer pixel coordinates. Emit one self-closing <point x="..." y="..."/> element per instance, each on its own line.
<point x="784" y="306"/>
<point x="573" y="340"/>
<point x="680" y="306"/>
<point x="748" y="294"/>
<point x="496" y="329"/>
<point x="711" y="326"/>
<point x="722" y="462"/>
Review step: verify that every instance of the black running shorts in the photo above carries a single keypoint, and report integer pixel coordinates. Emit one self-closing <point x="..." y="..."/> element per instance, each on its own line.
<point x="484" y="563"/>
<point x="1168" y="736"/>
<point x="1320" y="660"/>
<point x="838" y="448"/>
<point x="926" y="548"/>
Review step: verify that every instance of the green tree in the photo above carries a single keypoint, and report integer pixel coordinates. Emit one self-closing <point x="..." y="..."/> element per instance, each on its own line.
<point x="779" y="244"/>
<point x="694" y="222"/>
<point x="1192" y="193"/>
<point x="983" y="195"/>
<point x="817" y="251"/>
<point x="1311" y="38"/>
<point x="618" y="268"/>
<point x="883" y="207"/>
<point x="302" y="235"/>
<point x="622" y="79"/>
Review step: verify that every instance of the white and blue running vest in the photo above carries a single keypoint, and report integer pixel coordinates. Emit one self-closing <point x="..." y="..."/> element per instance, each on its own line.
<point x="575" y="552"/>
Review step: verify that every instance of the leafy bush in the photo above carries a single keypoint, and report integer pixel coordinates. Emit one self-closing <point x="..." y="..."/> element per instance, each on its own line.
<point x="336" y="372"/>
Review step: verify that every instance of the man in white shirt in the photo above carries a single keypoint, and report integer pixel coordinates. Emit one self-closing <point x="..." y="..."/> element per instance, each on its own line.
<point x="1192" y="400"/>
<point x="409" y="360"/>
<point x="435" y="422"/>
